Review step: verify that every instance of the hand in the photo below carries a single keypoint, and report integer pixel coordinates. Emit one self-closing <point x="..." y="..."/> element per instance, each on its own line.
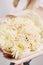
<point x="15" y="64"/>
<point x="19" y="64"/>
<point x="26" y="63"/>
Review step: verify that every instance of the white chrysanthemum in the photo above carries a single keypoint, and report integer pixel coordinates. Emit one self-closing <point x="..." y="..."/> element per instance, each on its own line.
<point x="18" y="35"/>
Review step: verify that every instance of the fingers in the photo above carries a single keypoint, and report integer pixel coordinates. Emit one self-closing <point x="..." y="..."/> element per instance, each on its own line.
<point x="10" y="16"/>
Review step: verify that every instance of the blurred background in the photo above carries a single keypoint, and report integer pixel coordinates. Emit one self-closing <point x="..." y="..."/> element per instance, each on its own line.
<point x="12" y="6"/>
